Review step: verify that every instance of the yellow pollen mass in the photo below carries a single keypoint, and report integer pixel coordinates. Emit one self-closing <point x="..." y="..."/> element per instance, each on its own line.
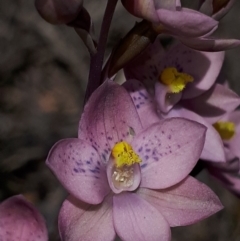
<point x="124" y="155"/>
<point x="225" y="129"/>
<point x="175" y="80"/>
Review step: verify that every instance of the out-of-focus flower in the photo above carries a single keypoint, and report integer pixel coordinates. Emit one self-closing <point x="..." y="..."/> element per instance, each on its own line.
<point x="228" y="128"/>
<point x="20" y="220"/>
<point x="127" y="177"/>
<point x="227" y="173"/>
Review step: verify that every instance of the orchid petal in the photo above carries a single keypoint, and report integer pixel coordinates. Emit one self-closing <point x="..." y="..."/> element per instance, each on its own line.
<point x="109" y="117"/>
<point x="210" y="44"/>
<point x="186" y="22"/>
<point x="214" y="103"/>
<point x="78" y="167"/>
<point x="16" y="215"/>
<point x="166" y="100"/>
<point x="169" y="151"/>
<point x="81" y="221"/>
<point x="135" y="219"/>
<point x="146" y="107"/>
<point x="185" y="203"/>
<point x="213" y="149"/>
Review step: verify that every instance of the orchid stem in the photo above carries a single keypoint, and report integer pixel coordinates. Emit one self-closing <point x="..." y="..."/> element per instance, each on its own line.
<point x="96" y="63"/>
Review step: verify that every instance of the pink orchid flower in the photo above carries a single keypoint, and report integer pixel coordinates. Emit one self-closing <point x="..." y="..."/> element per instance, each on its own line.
<point x="20" y="221"/>
<point x="128" y="179"/>
<point x="179" y="73"/>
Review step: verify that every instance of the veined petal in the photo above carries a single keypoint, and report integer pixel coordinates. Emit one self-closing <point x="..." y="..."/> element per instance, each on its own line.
<point x="81" y="221"/>
<point x="109" y="117"/>
<point x="78" y="167"/>
<point x="16" y="215"/>
<point x="186" y="22"/>
<point x="210" y="44"/>
<point x="145" y="105"/>
<point x="213" y="149"/>
<point x="214" y="103"/>
<point x="135" y="219"/>
<point x="185" y="203"/>
<point x="169" y="151"/>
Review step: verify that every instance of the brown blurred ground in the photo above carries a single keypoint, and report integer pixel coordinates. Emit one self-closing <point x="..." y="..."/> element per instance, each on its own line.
<point x="43" y="73"/>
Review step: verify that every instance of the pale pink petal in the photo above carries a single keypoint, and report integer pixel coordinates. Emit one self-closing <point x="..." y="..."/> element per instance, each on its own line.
<point x="135" y="219"/>
<point x="186" y="22"/>
<point x="78" y="167"/>
<point x="214" y="103"/>
<point x="81" y="221"/>
<point x="145" y="105"/>
<point x="169" y="151"/>
<point x="20" y="221"/>
<point x="185" y="203"/>
<point x="213" y="149"/>
<point x="109" y="116"/>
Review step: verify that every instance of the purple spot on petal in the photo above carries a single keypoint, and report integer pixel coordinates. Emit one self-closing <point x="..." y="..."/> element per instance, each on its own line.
<point x="144" y="165"/>
<point x="140" y="149"/>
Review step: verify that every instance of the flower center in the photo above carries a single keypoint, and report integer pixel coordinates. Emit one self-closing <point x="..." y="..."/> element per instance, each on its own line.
<point x="225" y="129"/>
<point x="125" y="171"/>
<point x="175" y="80"/>
<point x="124" y="155"/>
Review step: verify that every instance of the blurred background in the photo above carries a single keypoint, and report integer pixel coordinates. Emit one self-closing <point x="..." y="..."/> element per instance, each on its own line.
<point x="43" y="74"/>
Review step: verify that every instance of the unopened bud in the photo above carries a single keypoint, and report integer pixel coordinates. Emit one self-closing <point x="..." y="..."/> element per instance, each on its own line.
<point x="59" y="11"/>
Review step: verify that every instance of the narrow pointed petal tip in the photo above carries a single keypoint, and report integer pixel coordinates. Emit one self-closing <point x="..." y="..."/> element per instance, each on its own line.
<point x="169" y="151"/>
<point x="78" y="167"/>
<point x="136" y="219"/>
<point x="185" y="203"/>
<point x="16" y="215"/>
<point x="80" y="221"/>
